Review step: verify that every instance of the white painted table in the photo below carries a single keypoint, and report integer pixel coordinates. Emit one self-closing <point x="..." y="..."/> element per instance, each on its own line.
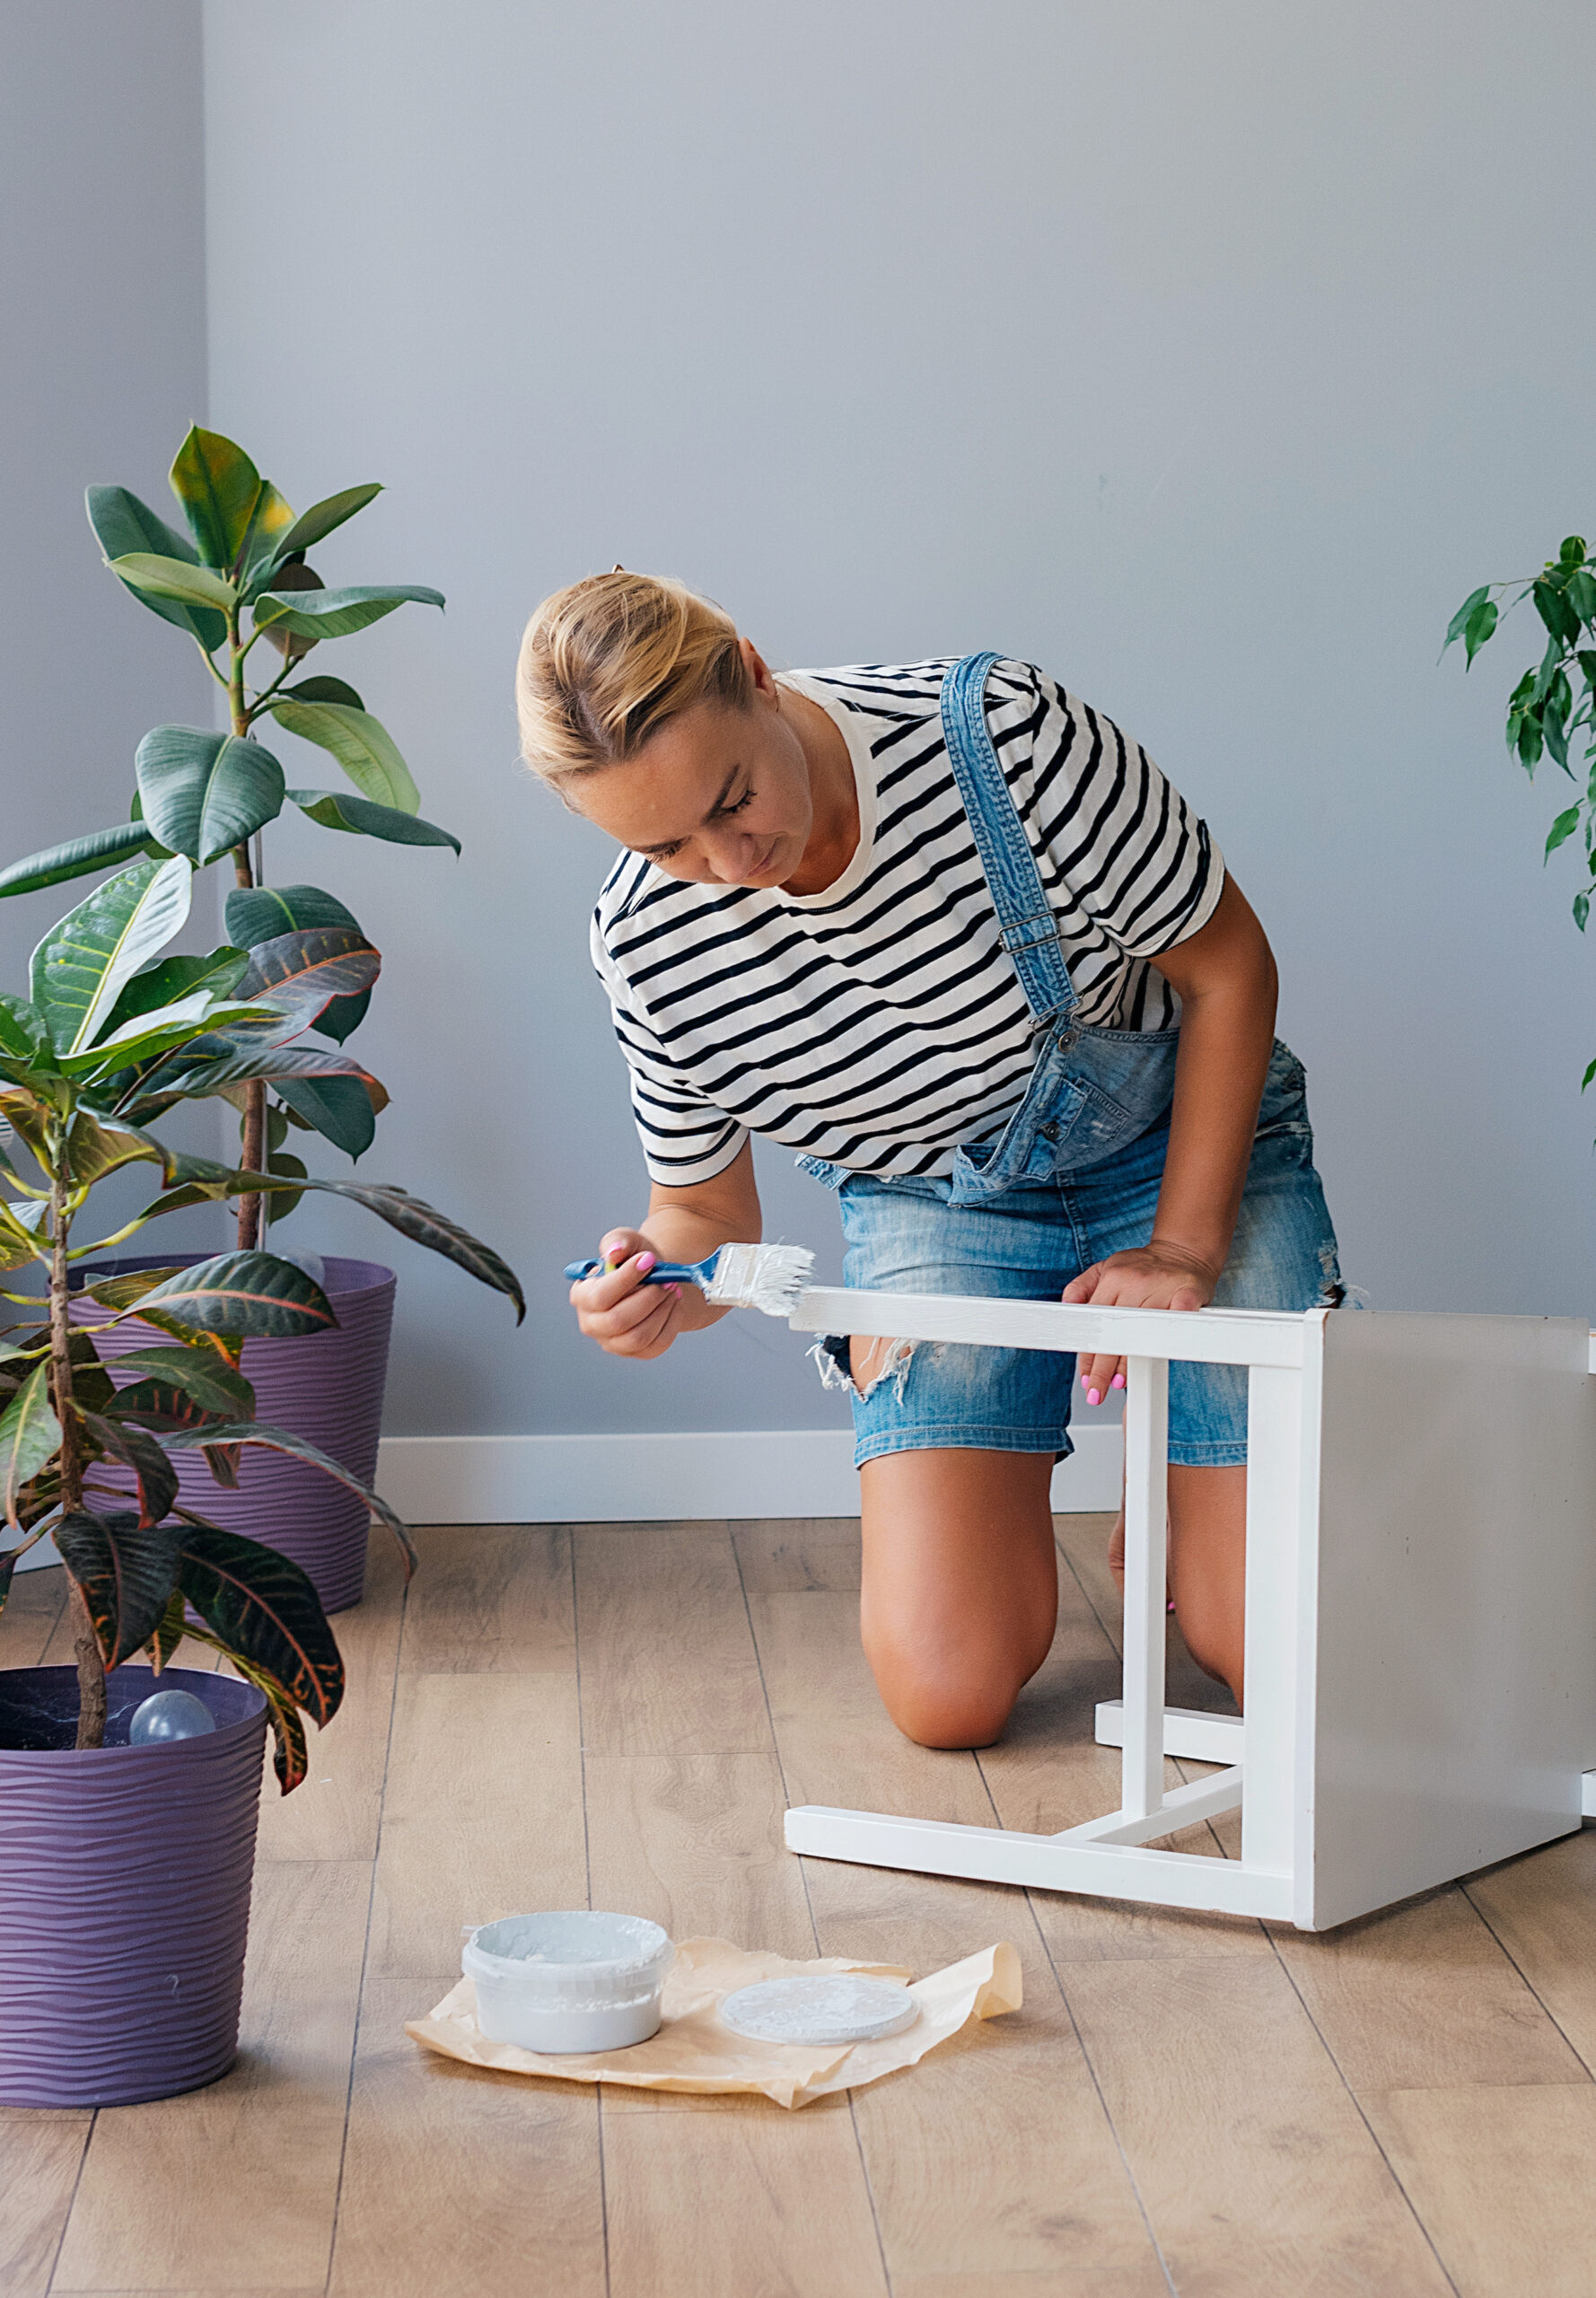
<point x="1420" y="1610"/>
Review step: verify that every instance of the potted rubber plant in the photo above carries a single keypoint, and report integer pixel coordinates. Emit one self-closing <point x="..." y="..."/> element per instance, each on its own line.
<point x="1554" y="702"/>
<point x="125" y="1868"/>
<point x="237" y="582"/>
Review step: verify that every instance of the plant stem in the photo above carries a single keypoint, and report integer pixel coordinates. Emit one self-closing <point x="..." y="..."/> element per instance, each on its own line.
<point x="85" y="1645"/>
<point x="254" y="1141"/>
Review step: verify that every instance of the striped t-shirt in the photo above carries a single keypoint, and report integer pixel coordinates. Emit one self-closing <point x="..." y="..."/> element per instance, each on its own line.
<point x="879" y="1024"/>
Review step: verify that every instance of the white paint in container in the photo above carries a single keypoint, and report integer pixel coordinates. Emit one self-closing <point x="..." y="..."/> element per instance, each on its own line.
<point x="569" y="1980"/>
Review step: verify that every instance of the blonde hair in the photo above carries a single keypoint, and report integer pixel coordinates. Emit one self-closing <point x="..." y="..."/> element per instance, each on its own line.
<point x="606" y="662"/>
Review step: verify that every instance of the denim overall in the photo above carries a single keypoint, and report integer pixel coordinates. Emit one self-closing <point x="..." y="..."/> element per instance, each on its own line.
<point x="1073" y="1178"/>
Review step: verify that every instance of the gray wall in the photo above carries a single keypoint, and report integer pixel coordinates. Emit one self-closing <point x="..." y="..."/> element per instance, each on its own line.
<point x="1207" y="355"/>
<point x="102" y="368"/>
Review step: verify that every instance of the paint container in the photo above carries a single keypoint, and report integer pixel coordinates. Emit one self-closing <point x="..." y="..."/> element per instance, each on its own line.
<point x="570" y="1980"/>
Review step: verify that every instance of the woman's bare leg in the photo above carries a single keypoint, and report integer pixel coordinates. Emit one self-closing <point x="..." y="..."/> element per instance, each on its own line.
<point x="1207" y="1566"/>
<point x="960" y="1596"/>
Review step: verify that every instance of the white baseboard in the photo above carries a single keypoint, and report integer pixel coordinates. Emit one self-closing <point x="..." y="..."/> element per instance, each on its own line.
<point x="624" y="1479"/>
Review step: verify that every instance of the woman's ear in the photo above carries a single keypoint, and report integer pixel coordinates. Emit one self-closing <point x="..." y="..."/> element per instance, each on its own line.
<point x="761" y="672"/>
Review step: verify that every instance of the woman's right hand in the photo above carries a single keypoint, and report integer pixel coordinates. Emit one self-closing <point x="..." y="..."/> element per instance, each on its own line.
<point x="616" y="1308"/>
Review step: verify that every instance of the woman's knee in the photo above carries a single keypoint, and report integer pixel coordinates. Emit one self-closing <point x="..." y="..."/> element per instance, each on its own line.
<point x="943" y="1701"/>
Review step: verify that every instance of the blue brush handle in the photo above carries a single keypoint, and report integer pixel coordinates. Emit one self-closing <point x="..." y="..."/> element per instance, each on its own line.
<point x="663" y="1272"/>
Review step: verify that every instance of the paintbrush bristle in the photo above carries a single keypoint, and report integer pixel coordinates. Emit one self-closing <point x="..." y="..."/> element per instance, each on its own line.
<point x="760" y="1276"/>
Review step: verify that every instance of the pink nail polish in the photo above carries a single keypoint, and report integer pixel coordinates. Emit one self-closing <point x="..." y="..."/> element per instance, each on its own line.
<point x="1117" y="1381"/>
<point x="645" y="1261"/>
<point x="1093" y="1397"/>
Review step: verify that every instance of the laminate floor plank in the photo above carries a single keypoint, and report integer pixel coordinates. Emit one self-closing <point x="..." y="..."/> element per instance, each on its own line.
<point x="790" y="1556"/>
<point x="1424" y="1997"/>
<point x="490" y="1598"/>
<point x="459" y="2183"/>
<point x="40" y="2155"/>
<point x="482" y="1817"/>
<point x="1502" y="2179"/>
<point x="1082" y="1543"/>
<point x="665" y="1592"/>
<point x="337" y="1811"/>
<point x="1257" y="2170"/>
<point x="1543" y="1910"/>
<point x="235" y="2186"/>
<point x="738" y="2207"/>
<point x="30" y="1615"/>
<point x="1146" y="2280"/>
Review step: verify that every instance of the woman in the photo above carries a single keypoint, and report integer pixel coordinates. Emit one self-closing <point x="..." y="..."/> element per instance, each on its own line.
<point x="950" y="935"/>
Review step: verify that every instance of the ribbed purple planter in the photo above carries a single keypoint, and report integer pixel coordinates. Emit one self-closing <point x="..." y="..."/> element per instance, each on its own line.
<point x="124" y="1891"/>
<point x="327" y="1386"/>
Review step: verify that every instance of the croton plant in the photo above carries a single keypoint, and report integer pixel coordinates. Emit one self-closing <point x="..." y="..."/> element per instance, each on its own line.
<point x="114" y="1032"/>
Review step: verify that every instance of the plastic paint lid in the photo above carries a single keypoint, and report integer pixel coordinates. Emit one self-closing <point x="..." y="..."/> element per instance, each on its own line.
<point x="841" y="2007"/>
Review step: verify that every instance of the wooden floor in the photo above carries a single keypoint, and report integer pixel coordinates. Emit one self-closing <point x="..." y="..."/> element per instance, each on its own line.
<point x="615" y="1715"/>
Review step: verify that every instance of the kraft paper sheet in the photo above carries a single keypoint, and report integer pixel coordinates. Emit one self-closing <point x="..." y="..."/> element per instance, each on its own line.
<point x="695" y="2051"/>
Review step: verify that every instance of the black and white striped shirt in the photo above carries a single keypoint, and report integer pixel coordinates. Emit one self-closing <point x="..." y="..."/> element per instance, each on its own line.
<point x="879" y="1024"/>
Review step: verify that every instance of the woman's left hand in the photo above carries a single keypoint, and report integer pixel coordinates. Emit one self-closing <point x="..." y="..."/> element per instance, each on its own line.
<point x="1153" y="1277"/>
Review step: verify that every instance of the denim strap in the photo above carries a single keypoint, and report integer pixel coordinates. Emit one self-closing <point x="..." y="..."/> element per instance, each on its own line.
<point x="1029" y="929"/>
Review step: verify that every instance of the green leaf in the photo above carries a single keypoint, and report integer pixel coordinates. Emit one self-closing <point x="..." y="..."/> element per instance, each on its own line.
<point x="169" y="979"/>
<point x="263" y="1610"/>
<point x="1582" y="594"/>
<point x="1581" y="910"/>
<point x="96" y="1146"/>
<point x="150" y="1036"/>
<point x="1551" y="604"/>
<point x="309" y="528"/>
<point x="121" y="1291"/>
<point x="290" y="1756"/>
<point x="1562" y="829"/>
<point x="301" y="972"/>
<point x="216" y="483"/>
<point x="254" y="1296"/>
<point x="24" y="1031"/>
<point x="205" y="793"/>
<point x="263" y="543"/>
<point x="123" y="526"/>
<point x="299" y="1448"/>
<point x="173" y="1627"/>
<point x="362" y="746"/>
<point x="335" y="810"/>
<point x="424" y="1225"/>
<point x="337" y="614"/>
<point x="1590" y="1073"/>
<point x="78" y="856"/>
<point x="79" y="968"/>
<point x="337" y="1108"/>
<point x="126" y="1571"/>
<point x="324" y="689"/>
<point x="30" y="1436"/>
<point x="136" y="1451"/>
<point x="1478" y="628"/>
<point x="282" y="1203"/>
<point x="1459" y="621"/>
<point x="1530" y="740"/>
<point x="1572" y="552"/>
<point x="191" y="1081"/>
<point x="174" y="578"/>
<point x="257" y="913"/>
<point x="194" y="1374"/>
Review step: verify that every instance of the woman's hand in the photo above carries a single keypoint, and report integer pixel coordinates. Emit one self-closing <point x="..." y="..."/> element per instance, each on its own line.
<point x="1155" y="1276"/>
<point x="616" y="1308"/>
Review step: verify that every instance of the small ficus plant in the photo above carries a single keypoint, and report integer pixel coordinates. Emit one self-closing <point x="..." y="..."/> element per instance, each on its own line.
<point x="239" y="581"/>
<point x="113" y="1033"/>
<point x="1555" y="701"/>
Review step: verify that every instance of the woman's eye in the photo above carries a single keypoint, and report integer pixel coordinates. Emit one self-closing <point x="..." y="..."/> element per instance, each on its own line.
<point x="745" y="798"/>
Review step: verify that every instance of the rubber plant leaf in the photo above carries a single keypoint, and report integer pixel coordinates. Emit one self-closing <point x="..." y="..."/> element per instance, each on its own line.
<point x="257" y="914"/>
<point x="290" y="1758"/>
<point x="301" y="972"/>
<point x="96" y="1146"/>
<point x="424" y="1225"/>
<point x="174" y="578"/>
<point x="138" y="1452"/>
<point x="79" y="968"/>
<point x="121" y="1291"/>
<point x="324" y="689"/>
<point x="78" y="856"/>
<point x="125" y="1570"/>
<point x="262" y="1608"/>
<point x="340" y="1108"/>
<point x="263" y="543"/>
<point x="204" y="792"/>
<point x="149" y="1036"/>
<point x="194" y="1374"/>
<point x="249" y="1295"/>
<point x="224" y="1064"/>
<point x="168" y="979"/>
<point x="299" y="1448"/>
<point x="313" y="525"/>
<point x="336" y="810"/>
<point x="362" y="745"/>
<point x="122" y="525"/>
<point x="339" y="614"/>
<point x="217" y="484"/>
<point x="30" y="1436"/>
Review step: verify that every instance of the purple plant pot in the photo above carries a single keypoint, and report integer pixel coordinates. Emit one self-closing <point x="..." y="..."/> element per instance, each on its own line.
<point x="326" y="1386"/>
<point x="124" y="1891"/>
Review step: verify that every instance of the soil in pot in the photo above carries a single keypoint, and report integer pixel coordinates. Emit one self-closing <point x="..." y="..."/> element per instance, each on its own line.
<point x="325" y="1386"/>
<point x="124" y="1879"/>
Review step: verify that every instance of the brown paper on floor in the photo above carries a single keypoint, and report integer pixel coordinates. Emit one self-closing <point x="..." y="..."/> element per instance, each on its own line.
<point x="695" y="2050"/>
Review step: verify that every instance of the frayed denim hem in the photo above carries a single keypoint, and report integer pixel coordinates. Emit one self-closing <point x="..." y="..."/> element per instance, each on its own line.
<point x="1208" y="1456"/>
<point x="961" y="1436"/>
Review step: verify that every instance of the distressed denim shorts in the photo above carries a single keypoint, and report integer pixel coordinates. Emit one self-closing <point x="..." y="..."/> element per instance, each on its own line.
<point x="1027" y="1242"/>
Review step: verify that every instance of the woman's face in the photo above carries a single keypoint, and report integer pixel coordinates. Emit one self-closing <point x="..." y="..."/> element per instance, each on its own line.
<point x="716" y="796"/>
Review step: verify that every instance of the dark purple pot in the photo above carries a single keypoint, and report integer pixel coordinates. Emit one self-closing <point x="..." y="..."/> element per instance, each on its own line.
<point x="124" y="1891"/>
<point x="327" y="1387"/>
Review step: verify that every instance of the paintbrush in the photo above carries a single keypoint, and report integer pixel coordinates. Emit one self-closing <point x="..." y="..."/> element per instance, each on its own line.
<point x="739" y="1276"/>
